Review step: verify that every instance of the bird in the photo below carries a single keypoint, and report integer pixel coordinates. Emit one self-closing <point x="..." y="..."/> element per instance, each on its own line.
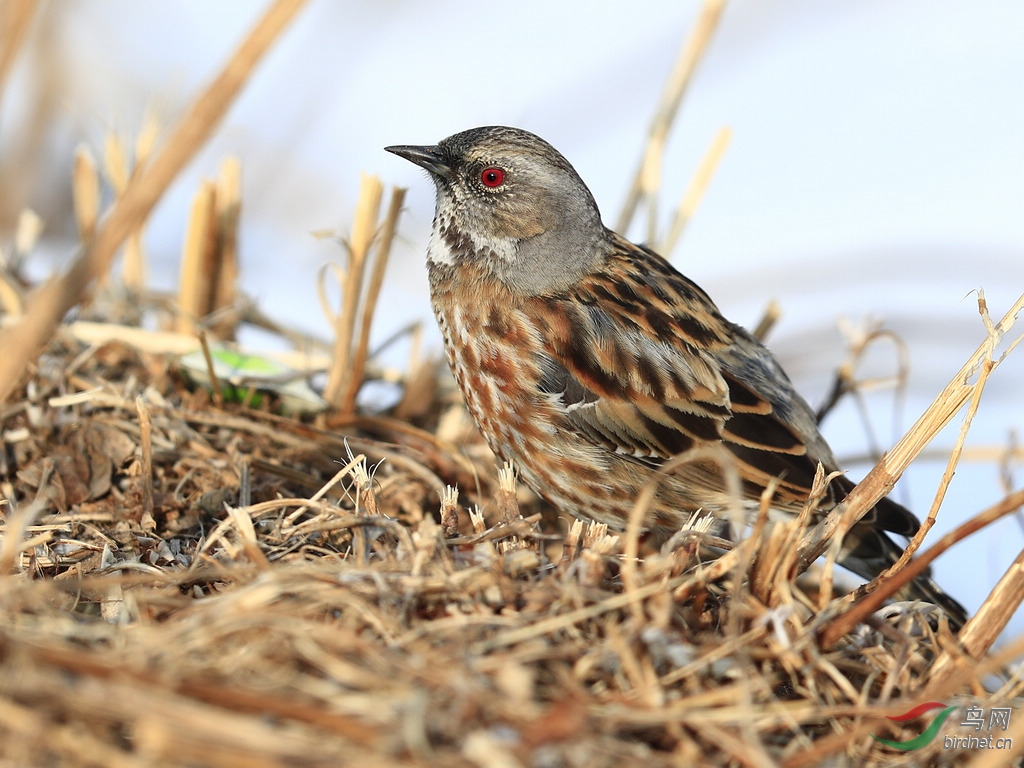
<point x="589" y="361"/>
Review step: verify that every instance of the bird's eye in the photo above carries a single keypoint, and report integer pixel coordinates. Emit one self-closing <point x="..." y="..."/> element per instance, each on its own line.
<point x="492" y="177"/>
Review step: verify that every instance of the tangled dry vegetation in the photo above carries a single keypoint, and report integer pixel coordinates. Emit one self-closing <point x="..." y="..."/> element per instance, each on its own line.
<point x="190" y="580"/>
<point x="201" y="584"/>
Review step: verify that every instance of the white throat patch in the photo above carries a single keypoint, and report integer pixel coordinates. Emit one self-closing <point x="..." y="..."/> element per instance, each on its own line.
<point x="441" y="252"/>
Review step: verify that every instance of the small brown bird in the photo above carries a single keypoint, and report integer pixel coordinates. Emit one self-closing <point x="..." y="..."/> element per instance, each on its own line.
<point x="589" y="361"/>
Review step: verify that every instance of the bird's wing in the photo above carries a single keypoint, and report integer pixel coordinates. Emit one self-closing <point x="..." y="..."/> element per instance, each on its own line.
<point x="648" y="367"/>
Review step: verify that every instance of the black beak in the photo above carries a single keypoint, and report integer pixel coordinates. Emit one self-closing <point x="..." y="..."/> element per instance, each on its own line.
<point x="425" y="157"/>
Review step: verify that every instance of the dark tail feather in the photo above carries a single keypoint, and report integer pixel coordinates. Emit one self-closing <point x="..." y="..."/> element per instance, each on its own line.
<point x="867" y="551"/>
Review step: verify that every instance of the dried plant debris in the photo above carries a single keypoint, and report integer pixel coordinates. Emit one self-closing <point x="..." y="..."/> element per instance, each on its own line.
<point x="296" y="596"/>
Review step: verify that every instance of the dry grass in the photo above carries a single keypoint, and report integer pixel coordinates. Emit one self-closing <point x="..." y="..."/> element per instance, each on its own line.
<point x="187" y="582"/>
<point x="150" y="617"/>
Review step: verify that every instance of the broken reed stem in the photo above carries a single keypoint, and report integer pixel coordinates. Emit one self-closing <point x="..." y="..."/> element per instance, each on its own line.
<point x="881" y="479"/>
<point x="85" y="191"/>
<point x="363" y="229"/>
<point x="951" y="465"/>
<point x="16" y="16"/>
<point x="450" y="512"/>
<point x="366" y="505"/>
<point x="771" y="316"/>
<point x="695" y="190"/>
<point x="476" y="520"/>
<point x="508" y="506"/>
<point x="115" y="165"/>
<point x="228" y="211"/>
<point x="760" y="569"/>
<point x="195" y="278"/>
<point x="133" y="265"/>
<point x="825" y="582"/>
<point x="648" y="175"/>
<point x="116" y="168"/>
<point x="209" y="263"/>
<point x="52" y="300"/>
<point x="381" y="255"/>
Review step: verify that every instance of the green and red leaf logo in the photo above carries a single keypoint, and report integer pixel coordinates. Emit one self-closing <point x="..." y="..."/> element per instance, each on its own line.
<point x="929" y="732"/>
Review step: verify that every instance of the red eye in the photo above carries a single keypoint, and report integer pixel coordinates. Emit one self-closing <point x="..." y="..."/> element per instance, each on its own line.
<point x="492" y="177"/>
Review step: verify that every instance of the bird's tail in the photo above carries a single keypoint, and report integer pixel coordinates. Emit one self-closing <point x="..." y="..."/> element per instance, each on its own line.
<point x="868" y="550"/>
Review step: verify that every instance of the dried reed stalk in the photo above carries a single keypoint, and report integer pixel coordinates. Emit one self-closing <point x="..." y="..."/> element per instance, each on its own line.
<point x="209" y="264"/>
<point x="133" y="269"/>
<point x="364" y="227"/>
<point x="352" y="324"/>
<point x="648" y="176"/>
<point x="695" y="190"/>
<point x="229" y="207"/>
<point x="382" y="253"/>
<point x="146" y="464"/>
<point x="85" y="190"/>
<point x="983" y="629"/>
<point x="771" y="316"/>
<point x="196" y="273"/>
<point x="115" y="166"/>
<point x="15" y="16"/>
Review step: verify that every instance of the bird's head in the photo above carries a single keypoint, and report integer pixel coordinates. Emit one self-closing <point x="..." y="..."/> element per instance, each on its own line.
<point x="508" y="197"/>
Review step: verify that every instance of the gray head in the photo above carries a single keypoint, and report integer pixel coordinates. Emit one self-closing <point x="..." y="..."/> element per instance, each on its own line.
<point x="509" y="198"/>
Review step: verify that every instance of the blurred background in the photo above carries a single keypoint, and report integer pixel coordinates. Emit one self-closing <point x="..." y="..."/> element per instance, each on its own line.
<point x="875" y="172"/>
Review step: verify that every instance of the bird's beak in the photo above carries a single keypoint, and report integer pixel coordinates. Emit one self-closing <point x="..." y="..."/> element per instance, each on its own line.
<point x="425" y="157"/>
